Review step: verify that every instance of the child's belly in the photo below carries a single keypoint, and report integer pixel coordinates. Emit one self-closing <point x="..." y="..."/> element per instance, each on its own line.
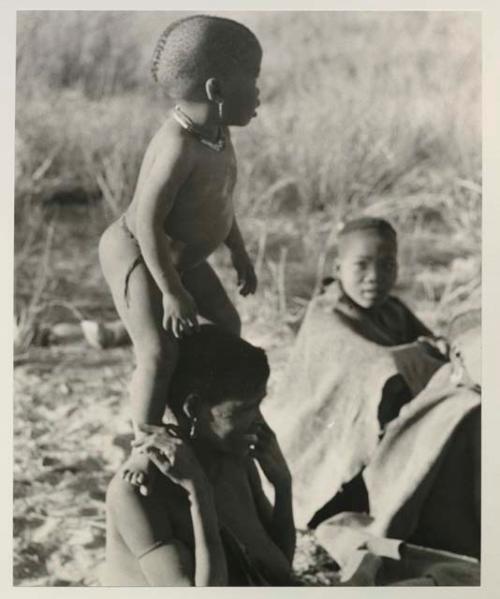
<point x="188" y="255"/>
<point x="192" y="237"/>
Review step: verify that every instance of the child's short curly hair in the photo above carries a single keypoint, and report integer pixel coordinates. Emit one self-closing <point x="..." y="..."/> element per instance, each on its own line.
<point x="199" y="47"/>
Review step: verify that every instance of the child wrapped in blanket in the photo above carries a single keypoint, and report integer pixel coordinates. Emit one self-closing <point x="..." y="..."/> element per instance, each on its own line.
<point x="360" y="294"/>
<point x="389" y="318"/>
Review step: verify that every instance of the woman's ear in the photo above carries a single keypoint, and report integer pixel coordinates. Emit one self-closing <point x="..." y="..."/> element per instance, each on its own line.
<point x="213" y="90"/>
<point x="191" y="405"/>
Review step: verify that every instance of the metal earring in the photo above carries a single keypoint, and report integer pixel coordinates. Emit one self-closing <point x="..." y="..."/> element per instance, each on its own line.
<point x="220" y="105"/>
<point x="192" y="428"/>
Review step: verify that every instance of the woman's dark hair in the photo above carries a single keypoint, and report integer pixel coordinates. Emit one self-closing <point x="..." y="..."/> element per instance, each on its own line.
<point x="216" y="365"/>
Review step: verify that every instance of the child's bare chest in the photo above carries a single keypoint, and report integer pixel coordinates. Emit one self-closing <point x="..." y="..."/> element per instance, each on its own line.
<point x="210" y="184"/>
<point x="204" y="203"/>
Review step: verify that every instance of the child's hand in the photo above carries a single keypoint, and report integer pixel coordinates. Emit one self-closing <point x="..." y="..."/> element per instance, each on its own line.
<point x="267" y="452"/>
<point x="247" y="279"/>
<point x="180" y="314"/>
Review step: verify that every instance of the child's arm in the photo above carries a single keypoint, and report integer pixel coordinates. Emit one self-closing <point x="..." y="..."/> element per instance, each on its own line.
<point x="170" y="169"/>
<point x="247" y="280"/>
<point x="418" y="331"/>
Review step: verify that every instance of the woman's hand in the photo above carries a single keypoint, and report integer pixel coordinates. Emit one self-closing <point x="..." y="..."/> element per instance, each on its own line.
<point x="267" y="452"/>
<point x="247" y="279"/>
<point x="173" y="458"/>
<point x="180" y="314"/>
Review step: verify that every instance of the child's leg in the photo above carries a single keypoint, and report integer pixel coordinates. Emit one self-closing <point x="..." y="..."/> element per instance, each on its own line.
<point x="211" y="298"/>
<point x="155" y="350"/>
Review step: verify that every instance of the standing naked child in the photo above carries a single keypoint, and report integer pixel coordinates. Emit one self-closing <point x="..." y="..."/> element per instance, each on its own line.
<point x="154" y="257"/>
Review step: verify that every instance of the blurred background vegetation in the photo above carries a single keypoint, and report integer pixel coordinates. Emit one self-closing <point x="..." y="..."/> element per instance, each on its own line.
<point x="361" y="112"/>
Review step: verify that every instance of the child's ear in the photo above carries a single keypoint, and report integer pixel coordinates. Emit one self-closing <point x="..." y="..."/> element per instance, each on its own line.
<point x="213" y="90"/>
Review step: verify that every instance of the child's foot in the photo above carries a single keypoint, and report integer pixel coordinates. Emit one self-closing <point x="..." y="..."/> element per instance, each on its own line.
<point x="139" y="471"/>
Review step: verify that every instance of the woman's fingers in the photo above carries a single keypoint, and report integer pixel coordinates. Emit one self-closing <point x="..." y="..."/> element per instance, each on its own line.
<point x="192" y="321"/>
<point x="158" y="458"/>
<point x="177" y="328"/>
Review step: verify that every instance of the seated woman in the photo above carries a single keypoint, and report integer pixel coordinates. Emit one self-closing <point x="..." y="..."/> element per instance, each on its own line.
<point x="207" y="521"/>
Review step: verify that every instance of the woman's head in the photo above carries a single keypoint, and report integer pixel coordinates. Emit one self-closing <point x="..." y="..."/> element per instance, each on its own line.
<point x="367" y="260"/>
<point x="202" y="58"/>
<point x="217" y="387"/>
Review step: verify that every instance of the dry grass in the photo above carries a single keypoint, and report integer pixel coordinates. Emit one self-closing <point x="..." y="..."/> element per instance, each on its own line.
<point x="364" y="111"/>
<point x="361" y="112"/>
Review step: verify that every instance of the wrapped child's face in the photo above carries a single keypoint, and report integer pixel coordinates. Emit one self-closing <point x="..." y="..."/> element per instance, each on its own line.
<point x="367" y="267"/>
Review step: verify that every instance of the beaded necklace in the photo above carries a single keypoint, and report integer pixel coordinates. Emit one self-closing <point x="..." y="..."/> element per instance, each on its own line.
<point x="187" y="123"/>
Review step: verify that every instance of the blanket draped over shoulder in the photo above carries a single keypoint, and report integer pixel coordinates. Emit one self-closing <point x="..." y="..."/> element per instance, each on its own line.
<point x="343" y="379"/>
<point x="423" y="485"/>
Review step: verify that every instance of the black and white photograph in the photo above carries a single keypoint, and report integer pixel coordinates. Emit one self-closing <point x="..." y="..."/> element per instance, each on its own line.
<point x="248" y="298"/>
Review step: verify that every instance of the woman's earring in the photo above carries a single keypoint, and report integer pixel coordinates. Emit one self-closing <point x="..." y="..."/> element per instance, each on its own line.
<point x="220" y="105"/>
<point x="192" y="428"/>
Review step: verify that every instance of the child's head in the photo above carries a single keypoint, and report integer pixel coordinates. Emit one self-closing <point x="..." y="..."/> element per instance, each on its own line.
<point x="203" y="57"/>
<point x="220" y="380"/>
<point x="367" y="260"/>
<point x="465" y="346"/>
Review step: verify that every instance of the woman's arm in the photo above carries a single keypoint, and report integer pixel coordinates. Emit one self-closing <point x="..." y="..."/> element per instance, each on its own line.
<point x="281" y="524"/>
<point x="173" y="565"/>
<point x="210" y="559"/>
<point x="176" y="460"/>
<point x="277" y="520"/>
<point x="143" y="524"/>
